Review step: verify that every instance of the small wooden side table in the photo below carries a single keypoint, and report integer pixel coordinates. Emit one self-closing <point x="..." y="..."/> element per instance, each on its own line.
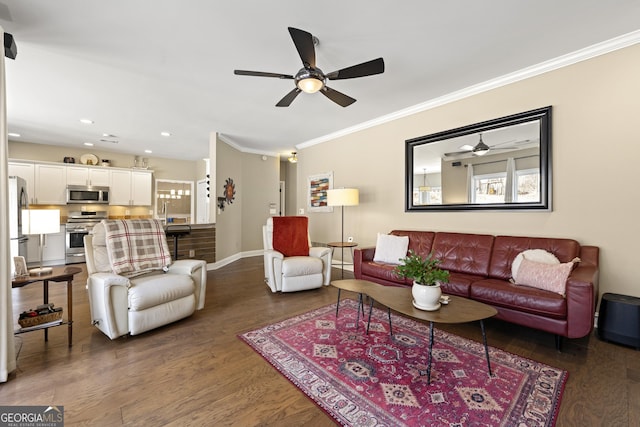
<point x="342" y="245"/>
<point x="58" y="274"/>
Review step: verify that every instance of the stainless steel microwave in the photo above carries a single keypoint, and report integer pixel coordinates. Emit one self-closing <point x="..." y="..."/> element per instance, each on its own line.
<point x="81" y="194"/>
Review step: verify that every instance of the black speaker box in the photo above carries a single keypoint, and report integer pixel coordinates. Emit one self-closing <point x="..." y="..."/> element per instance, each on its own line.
<point x="619" y="319"/>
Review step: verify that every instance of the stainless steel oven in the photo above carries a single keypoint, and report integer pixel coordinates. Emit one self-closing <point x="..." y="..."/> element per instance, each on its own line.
<point x="79" y="224"/>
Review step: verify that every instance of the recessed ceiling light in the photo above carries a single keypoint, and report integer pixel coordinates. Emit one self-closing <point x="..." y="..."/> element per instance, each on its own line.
<point x="109" y="135"/>
<point x="165" y="133"/>
<point x="148" y="151"/>
<point x="15" y="135"/>
<point x="89" y="144"/>
<point x="86" y="121"/>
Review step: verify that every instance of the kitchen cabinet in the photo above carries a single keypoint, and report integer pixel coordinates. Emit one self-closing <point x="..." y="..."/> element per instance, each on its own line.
<point x="50" y="184"/>
<point x="130" y="188"/>
<point x="79" y="175"/>
<point x="53" y="252"/>
<point x="25" y="171"/>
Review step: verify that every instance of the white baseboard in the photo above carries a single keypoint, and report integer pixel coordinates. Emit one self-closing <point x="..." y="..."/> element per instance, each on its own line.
<point x="235" y="257"/>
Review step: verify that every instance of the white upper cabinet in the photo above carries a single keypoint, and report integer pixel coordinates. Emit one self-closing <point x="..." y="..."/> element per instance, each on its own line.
<point x="130" y="188"/>
<point x="51" y="184"/>
<point x="141" y="188"/>
<point x="47" y="182"/>
<point x="95" y="177"/>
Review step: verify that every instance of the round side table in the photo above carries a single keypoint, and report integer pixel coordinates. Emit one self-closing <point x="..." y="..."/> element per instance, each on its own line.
<point x="342" y="245"/>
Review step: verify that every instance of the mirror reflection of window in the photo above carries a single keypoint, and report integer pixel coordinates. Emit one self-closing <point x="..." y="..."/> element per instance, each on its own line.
<point x="174" y="201"/>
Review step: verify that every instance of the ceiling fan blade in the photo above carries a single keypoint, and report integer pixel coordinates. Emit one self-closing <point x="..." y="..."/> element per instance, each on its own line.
<point x="338" y="97"/>
<point x="369" y="68"/>
<point x="467" y="147"/>
<point x="261" y="74"/>
<point x="288" y="98"/>
<point x="304" y="44"/>
<point x="455" y="153"/>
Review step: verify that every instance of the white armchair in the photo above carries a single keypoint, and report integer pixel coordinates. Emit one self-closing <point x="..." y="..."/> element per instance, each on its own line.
<point x="122" y="305"/>
<point x="294" y="273"/>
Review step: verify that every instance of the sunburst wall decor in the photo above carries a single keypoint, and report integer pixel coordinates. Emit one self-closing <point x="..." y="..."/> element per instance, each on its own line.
<point x="229" y="190"/>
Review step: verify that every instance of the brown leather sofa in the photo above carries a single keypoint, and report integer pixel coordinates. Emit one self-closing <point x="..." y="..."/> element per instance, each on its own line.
<point x="480" y="269"/>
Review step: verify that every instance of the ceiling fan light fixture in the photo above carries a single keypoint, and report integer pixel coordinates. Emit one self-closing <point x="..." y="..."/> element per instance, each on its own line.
<point x="310" y="85"/>
<point x="481" y="148"/>
<point x="310" y="80"/>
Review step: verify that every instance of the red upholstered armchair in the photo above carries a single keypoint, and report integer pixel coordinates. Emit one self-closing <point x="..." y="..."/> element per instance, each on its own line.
<point x="290" y="263"/>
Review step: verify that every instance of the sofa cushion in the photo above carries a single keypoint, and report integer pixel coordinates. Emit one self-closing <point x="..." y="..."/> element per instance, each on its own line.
<point x="550" y="277"/>
<point x="420" y="242"/>
<point x="506" y="248"/>
<point x="390" y="249"/>
<point x="386" y="272"/>
<point x="501" y="293"/>
<point x="158" y="288"/>
<point x="460" y="284"/>
<point x="464" y="253"/>
<point x="301" y="266"/>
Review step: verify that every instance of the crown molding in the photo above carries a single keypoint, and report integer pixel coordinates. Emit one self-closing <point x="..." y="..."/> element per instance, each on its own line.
<point x="593" y="51"/>
<point x="229" y="141"/>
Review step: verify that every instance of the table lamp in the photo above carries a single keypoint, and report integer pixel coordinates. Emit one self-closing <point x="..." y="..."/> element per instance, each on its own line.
<point x="40" y="221"/>
<point x="343" y="197"/>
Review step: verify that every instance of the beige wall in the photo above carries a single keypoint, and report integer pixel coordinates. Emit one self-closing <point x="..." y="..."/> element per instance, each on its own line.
<point x="239" y="226"/>
<point x="289" y="174"/>
<point x="229" y="221"/>
<point x="595" y="146"/>
<point x="262" y="180"/>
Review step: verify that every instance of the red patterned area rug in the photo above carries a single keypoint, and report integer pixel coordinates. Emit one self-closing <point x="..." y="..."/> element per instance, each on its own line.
<point x="381" y="380"/>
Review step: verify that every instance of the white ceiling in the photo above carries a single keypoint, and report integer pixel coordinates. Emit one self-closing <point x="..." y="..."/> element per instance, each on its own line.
<point x="139" y="67"/>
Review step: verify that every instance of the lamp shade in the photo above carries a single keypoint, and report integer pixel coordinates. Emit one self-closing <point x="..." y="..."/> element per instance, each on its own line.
<point x="343" y="197"/>
<point x="40" y="221"/>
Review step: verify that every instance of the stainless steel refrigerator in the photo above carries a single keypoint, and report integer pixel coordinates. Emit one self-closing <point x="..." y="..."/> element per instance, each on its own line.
<point x="18" y="200"/>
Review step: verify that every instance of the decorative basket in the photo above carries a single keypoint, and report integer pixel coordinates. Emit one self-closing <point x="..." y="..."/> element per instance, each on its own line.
<point x="39" y="320"/>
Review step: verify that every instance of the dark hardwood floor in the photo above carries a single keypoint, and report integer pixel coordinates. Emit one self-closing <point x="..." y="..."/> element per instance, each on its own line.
<point x="197" y="372"/>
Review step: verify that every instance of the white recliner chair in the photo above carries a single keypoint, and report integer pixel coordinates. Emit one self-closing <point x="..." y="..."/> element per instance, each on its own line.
<point x="294" y="273"/>
<point x="123" y="305"/>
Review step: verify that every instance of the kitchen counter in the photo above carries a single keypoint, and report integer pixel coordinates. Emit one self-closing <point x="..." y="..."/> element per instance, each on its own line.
<point x="195" y="241"/>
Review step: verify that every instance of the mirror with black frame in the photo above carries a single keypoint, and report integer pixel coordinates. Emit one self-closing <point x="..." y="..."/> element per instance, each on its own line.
<point x="499" y="164"/>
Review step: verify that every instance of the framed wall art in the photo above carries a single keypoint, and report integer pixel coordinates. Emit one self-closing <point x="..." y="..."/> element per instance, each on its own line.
<point x="317" y="186"/>
<point x="20" y="265"/>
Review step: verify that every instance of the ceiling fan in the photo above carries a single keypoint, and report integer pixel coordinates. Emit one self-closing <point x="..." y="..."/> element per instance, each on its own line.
<point x="480" y="149"/>
<point x="311" y="79"/>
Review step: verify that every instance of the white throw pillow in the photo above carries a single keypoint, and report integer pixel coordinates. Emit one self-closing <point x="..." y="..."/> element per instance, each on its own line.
<point x="535" y="255"/>
<point x="390" y="248"/>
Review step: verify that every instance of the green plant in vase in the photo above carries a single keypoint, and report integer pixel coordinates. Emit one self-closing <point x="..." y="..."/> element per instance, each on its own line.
<point x="424" y="271"/>
<point x="426" y="276"/>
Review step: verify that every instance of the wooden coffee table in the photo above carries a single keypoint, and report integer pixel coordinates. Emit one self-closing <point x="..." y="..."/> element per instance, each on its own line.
<point x="399" y="299"/>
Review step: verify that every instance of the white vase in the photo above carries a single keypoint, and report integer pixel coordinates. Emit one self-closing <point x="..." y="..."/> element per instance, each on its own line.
<point x="426" y="297"/>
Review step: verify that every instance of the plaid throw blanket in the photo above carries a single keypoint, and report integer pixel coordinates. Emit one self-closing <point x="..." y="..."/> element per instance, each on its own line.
<point x="136" y="246"/>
